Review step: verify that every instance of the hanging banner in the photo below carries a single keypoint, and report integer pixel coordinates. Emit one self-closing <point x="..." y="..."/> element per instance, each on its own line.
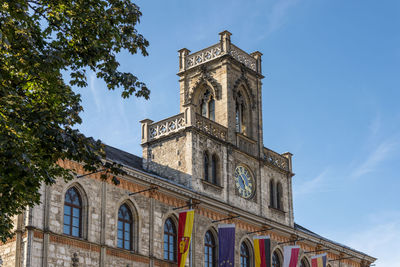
<point x="226" y="237"/>
<point x="290" y="256"/>
<point x="262" y="251"/>
<point x="318" y="260"/>
<point x="185" y="227"/>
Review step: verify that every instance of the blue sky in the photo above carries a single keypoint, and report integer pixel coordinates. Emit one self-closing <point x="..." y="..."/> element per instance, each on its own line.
<point x="330" y="96"/>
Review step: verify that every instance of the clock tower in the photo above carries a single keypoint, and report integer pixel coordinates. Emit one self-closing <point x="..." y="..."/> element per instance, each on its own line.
<point x="215" y="145"/>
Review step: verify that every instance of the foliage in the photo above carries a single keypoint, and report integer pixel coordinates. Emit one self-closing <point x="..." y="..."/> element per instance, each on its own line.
<point x="39" y="40"/>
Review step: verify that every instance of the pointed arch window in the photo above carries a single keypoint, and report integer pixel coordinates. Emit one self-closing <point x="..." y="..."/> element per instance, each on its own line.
<point x="240" y="114"/>
<point x="244" y="255"/>
<point x="210" y="258"/>
<point x="214" y="167"/>
<point x="73" y="213"/>
<point x="271" y="193"/>
<point x="304" y="263"/>
<point x="279" y="196"/>
<point x="276" y="262"/>
<point x="207" y="105"/>
<point x="170" y="245"/>
<point x="205" y="166"/>
<point x="125" y="227"/>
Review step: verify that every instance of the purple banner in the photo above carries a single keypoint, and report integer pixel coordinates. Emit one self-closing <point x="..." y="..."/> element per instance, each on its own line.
<point x="226" y="237"/>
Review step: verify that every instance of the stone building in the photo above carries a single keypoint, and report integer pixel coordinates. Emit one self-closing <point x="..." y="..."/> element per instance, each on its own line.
<point x="209" y="157"/>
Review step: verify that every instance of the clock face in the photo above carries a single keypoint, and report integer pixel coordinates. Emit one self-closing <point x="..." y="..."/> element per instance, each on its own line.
<point x="244" y="181"/>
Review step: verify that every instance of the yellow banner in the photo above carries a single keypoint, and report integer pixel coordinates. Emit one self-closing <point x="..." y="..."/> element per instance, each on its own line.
<point x="184" y="235"/>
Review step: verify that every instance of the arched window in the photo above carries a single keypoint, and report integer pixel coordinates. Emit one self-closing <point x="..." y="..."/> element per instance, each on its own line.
<point x="279" y="196"/>
<point x="207" y="105"/>
<point x="276" y="261"/>
<point x="214" y="169"/>
<point x="73" y="213"/>
<point x="211" y="109"/>
<point x="271" y="194"/>
<point x="244" y="255"/>
<point x="125" y="227"/>
<point x="170" y="244"/>
<point x="304" y="263"/>
<point x="240" y="114"/>
<point x="210" y="258"/>
<point x="205" y="167"/>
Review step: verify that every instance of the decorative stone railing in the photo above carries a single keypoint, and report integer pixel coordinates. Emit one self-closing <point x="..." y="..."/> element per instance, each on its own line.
<point x="167" y="126"/>
<point x="243" y="57"/>
<point x="211" y="127"/>
<point x="203" y="56"/>
<point x="246" y="144"/>
<point x="224" y="47"/>
<point x="276" y="159"/>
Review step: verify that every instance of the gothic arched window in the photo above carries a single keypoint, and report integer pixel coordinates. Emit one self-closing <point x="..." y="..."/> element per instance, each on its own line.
<point x="205" y="166"/>
<point x="210" y="258"/>
<point x="207" y="105"/>
<point x="240" y="114"/>
<point x="244" y="255"/>
<point x="73" y="213"/>
<point x="276" y="262"/>
<point x="304" y="263"/>
<point x="279" y="196"/>
<point x="211" y="109"/>
<point x="125" y="227"/>
<point x="214" y="169"/>
<point x="271" y="194"/>
<point x="170" y="244"/>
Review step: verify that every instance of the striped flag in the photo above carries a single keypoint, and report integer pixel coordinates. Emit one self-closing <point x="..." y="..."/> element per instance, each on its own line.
<point x="262" y="251"/>
<point x="318" y="260"/>
<point x="290" y="256"/>
<point x="226" y="236"/>
<point x="184" y="235"/>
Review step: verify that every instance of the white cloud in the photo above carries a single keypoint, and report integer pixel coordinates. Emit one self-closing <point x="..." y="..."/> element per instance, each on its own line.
<point x="382" y="240"/>
<point x="317" y="184"/>
<point x="95" y="93"/>
<point x="375" y="126"/>
<point x="378" y="155"/>
<point x="279" y="15"/>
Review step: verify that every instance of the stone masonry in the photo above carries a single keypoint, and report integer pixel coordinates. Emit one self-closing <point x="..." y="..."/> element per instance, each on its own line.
<point x="173" y="167"/>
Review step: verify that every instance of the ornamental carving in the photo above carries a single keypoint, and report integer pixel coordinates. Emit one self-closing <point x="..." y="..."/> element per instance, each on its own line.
<point x="203" y="56"/>
<point x="242" y="80"/>
<point x="204" y="79"/>
<point x="243" y="57"/>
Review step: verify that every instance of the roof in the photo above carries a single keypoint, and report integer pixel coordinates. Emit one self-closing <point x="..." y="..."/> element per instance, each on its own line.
<point x="135" y="162"/>
<point x="124" y="158"/>
<point x="305" y="230"/>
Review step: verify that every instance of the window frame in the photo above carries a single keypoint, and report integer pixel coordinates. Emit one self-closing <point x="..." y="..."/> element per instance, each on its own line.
<point x="210" y="247"/>
<point x="131" y="228"/>
<point x="72" y="206"/>
<point x="174" y="236"/>
<point x="246" y="256"/>
<point x="277" y="256"/>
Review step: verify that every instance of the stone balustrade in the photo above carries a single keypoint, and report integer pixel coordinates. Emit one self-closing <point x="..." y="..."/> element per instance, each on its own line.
<point x="243" y="57"/>
<point x="166" y="127"/>
<point x="211" y="127"/>
<point x="215" y="51"/>
<point x="203" y="56"/>
<point x="276" y="159"/>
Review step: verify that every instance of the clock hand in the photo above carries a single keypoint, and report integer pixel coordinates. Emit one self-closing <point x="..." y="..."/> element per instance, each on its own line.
<point x="245" y="183"/>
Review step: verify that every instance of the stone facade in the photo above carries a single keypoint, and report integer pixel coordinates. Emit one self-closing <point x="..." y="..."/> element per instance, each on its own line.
<point x="173" y="167"/>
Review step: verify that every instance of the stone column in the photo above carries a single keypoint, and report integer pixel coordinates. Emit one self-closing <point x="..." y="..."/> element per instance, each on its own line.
<point x="183" y="53"/>
<point x="225" y="41"/>
<point x="103" y="249"/>
<point x="145" y="130"/>
<point x="190" y="115"/>
<point x="257" y="56"/>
